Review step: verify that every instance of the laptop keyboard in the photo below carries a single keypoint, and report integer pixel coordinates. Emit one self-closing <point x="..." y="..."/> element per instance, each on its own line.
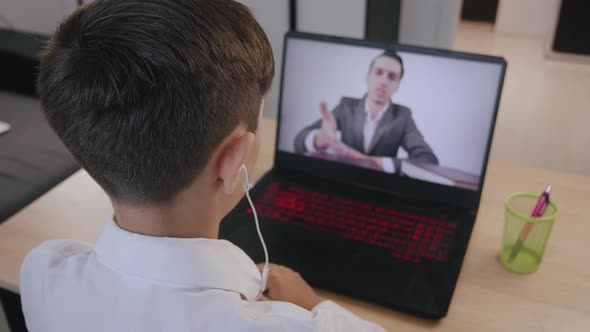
<point x="408" y="237"/>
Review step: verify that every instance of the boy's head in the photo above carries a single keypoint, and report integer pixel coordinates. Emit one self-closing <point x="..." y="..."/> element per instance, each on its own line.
<point x="145" y="93"/>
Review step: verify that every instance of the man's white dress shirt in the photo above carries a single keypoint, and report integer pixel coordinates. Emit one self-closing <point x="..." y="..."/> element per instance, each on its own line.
<point x="132" y="282"/>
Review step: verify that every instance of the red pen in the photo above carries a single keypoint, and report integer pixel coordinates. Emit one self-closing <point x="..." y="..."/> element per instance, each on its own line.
<point x="541" y="203"/>
<point x="537" y="212"/>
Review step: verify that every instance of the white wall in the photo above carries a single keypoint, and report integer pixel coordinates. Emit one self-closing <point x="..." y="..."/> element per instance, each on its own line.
<point x="429" y="22"/>
<point x="273" y="16"/>
<point x="422" y="22"/>
<point x="345" y="18"/>
<point x="526" y="17"/>
<point x="38" y="16"/>
<point x="451" y="101"/>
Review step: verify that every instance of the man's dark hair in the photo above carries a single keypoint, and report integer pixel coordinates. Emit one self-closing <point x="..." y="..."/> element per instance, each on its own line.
<point x="391" y="54"/>
<point x="142" y="92"/>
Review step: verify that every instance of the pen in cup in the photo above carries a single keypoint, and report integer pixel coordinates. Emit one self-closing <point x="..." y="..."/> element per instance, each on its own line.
<point x="537" y="212"/>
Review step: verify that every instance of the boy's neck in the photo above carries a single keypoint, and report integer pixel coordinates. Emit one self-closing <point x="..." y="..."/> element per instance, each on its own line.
<point x="180" y="224"/>
<point x="190" y="215"/>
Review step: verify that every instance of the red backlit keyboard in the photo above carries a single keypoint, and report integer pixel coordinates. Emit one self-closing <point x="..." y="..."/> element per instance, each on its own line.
<point x="407" y="236"/>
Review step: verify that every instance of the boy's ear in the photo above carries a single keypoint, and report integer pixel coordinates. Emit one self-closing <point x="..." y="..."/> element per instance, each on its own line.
<point x="233" y="155"/>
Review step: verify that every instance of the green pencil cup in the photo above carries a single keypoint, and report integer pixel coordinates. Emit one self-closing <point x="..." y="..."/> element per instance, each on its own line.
<point x="518" y="208"/>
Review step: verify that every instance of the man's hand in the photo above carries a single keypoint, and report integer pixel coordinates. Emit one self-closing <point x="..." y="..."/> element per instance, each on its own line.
<point x="326" y="136"/>
<point x="287" y="285"/>
<point x="346" y="151"/>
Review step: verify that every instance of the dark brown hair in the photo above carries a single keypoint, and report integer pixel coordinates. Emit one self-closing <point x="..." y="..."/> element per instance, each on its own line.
<point x="390" y="54"/>
<point x="142" y="92"/>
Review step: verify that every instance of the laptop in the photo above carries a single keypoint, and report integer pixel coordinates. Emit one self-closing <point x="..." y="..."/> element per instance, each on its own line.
<point x="379" y="203"/>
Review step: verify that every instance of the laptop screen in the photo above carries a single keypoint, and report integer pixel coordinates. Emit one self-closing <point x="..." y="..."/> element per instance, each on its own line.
<point x="402" y="113"/>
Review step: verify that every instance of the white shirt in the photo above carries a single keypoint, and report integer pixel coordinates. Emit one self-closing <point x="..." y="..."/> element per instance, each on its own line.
<point x="369" y="128"/>
<point x="133" y="282"/>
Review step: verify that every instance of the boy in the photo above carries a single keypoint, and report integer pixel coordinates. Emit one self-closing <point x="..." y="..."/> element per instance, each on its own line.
<point x="159" y="101"/>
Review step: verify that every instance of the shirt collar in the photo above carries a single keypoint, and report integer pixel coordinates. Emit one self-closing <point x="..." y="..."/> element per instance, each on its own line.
<point x="380" y="113"/>
<point x="179" y="262"/>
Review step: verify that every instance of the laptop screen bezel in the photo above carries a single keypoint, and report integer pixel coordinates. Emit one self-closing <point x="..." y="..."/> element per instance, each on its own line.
<point x="390" y="184"/>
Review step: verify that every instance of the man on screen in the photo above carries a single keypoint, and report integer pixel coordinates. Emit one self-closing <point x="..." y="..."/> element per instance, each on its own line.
<point x="372" y="129"/>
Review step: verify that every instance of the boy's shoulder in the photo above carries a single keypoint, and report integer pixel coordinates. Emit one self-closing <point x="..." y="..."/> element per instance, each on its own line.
<point x="51" y="254"/>
<point x="37" y="265"/>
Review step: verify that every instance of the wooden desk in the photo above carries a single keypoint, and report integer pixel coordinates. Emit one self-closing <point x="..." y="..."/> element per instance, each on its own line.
<point x="487" y="298"/>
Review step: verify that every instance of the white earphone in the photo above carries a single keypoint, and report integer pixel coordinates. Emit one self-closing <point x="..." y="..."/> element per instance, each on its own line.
<point x="246" y="186"/>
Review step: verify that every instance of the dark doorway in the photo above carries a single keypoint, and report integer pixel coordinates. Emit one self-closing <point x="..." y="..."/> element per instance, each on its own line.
<point x="382" y="20"/>
<point x="479" y="10"/>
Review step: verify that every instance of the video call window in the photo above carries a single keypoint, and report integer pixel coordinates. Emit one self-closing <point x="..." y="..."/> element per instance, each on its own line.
<point x="406" y="114"/>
